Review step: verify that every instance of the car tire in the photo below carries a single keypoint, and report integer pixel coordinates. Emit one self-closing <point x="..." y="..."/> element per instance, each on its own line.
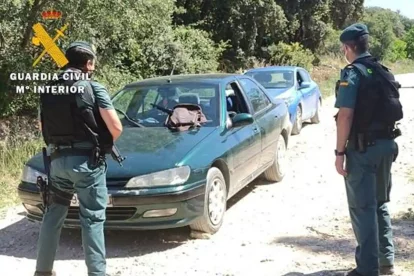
<point x="316" y="118"/>
<point x="276" y="172"/>
<point x="297" y="126"/>
<point x="215" y="203"/>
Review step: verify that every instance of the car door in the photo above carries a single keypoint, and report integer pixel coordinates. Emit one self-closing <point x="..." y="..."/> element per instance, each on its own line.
<point x="267" y="121"/>
<point x="308" y="94"/>
<point x="244" y="141"/>
<point x="314" y="93"/>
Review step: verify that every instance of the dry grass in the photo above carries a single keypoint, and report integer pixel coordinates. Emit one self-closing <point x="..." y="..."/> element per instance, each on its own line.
<point x="12" y="159"/>
<point x="401" y="67"/>
<point x="328" y="72"/>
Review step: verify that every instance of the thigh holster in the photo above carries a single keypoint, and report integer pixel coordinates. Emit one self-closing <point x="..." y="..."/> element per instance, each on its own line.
<point x="59" y="197"/>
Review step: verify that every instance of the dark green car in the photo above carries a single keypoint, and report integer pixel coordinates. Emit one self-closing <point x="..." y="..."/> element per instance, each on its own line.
<point x="173" y="179"/>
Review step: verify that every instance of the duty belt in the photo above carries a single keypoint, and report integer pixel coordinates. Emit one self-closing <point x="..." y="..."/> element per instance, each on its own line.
<point x="369" y="138"/>
<point x="70" y="152"/>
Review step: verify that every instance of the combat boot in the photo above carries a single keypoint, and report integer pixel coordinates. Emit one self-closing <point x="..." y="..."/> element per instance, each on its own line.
<point x="387" y="270"/>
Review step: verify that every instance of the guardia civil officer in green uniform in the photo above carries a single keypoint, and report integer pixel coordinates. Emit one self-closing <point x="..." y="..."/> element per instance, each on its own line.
<point x="74" y="167"/>
<point x="365" y="150"/>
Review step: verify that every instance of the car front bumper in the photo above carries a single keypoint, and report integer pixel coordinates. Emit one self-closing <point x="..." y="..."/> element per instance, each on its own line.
<point x="130" y="210"/>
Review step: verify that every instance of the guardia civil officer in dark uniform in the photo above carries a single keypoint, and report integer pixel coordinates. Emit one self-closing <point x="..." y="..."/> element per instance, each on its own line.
<point x="364" y="155"/>
<point x="72" y="169"/>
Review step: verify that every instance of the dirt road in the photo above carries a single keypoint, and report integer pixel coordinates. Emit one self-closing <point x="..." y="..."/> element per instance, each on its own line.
<point x="297" y="227"/>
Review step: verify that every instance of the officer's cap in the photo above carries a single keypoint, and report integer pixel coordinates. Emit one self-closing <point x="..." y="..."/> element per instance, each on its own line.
<point x="84" y="46"/>
<point x="353" y="32"/>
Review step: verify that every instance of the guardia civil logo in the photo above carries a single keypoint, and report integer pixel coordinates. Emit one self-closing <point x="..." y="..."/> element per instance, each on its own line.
<point x="42" y="39"/>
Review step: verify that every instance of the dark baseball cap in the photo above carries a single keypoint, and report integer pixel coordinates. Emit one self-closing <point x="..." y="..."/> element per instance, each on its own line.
<point x="353" y="32"/>
<point x="84" y="46"/>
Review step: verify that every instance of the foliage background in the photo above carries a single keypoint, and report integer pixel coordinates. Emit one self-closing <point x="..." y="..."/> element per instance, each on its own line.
<point x="139" y="39"/>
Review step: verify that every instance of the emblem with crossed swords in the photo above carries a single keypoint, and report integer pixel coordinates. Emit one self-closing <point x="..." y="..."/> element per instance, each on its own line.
<point x="42" y="37"/>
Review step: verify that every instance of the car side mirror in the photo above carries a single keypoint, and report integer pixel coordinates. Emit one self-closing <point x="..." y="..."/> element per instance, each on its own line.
<point x="242" y="119"/>
<point x="305" y="84"/>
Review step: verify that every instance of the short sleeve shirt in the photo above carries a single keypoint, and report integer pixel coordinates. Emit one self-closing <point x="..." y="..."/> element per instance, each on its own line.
<point x="348" y="86"/>
<point x="99" y="95"/>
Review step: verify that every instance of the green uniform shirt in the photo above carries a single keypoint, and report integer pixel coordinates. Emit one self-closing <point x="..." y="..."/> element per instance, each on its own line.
<point x="348" y="86"/>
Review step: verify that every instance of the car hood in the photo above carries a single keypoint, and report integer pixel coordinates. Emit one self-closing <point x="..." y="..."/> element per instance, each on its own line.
<point x="146" y="150"/>
<point x="280" y="93"/>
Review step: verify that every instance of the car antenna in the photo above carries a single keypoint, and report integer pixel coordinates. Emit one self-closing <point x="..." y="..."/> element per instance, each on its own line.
<point x="172" y="73"/>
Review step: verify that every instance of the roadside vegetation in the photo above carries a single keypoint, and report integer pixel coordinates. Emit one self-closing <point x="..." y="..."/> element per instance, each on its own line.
<point x="147" y="38"/>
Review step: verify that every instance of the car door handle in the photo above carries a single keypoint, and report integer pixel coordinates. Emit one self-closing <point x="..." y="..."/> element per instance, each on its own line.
<point x="255" y="130"/>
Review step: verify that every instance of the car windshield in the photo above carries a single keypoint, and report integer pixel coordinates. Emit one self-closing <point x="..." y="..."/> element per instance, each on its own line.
<point x="146" y="104"/>
<point x="274" y="79"/>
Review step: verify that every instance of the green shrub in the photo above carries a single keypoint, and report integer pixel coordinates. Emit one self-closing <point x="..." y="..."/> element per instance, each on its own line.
<point x="291" y="54"/>
<point x="12" y="159"/>
<point x="397" y="51"/>
<point x="409" y="39"/>
<point x="332" y="44"/>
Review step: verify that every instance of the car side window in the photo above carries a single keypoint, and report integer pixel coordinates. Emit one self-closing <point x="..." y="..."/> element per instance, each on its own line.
<point x="299" y="78"/>
<point x="234" y="100"/>
<point x="305" y="76"/>
<point x="256" y="96"/>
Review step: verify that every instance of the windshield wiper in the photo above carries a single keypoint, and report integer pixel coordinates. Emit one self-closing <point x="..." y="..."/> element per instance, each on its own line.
<point x="129" y="119"/>
<point x="166" y="110"/>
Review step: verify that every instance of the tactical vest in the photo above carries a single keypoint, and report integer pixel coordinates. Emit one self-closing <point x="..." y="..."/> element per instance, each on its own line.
<point x="64" y="123"/>
<point x="377" y="97"/>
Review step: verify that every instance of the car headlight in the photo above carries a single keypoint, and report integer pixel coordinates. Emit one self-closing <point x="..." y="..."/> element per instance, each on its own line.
<point x="173" y="176"/>
<point x="30" y="175"/>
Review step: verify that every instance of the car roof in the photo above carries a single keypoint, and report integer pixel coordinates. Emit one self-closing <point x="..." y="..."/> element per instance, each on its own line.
<point x="268" y="68"/>
<point x="214" y="78"/>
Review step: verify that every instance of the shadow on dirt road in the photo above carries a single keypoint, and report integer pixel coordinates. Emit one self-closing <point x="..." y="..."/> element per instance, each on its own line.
<point x="339" y="272"/>
<point x="20" y="238"/>
<point x="345" y="247"/>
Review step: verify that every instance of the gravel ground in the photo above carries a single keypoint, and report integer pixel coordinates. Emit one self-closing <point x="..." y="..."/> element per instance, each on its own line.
<point x="297" y="227"/>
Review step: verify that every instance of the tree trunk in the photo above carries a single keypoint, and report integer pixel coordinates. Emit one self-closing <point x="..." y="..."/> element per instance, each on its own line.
<point x="37" y="5"/>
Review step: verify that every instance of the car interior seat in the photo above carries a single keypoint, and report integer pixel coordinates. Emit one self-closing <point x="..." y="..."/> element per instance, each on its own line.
<point x="189" y="98"/>
<point x="288" y="77"/>
<point x="263" y="78"/>
<point x="212" y="109"/>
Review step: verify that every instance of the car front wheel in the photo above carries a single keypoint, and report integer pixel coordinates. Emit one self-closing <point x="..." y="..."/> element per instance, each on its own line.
<point x="297" y="126"/>
<point x="316" y="118"/>
<point x="276" y="172"/>
<point x="215" y="203"/>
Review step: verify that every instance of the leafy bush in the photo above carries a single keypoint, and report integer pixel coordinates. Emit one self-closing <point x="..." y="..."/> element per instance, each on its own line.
<point x="195" y="52"/>
<point x="291" y="54"/>
<point x="409" y="39"/>
<point x="332" y="44"/>
<point x="398" y="51"/>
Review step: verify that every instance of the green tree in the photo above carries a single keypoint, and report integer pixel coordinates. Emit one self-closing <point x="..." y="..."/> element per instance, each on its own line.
<point x="345" y="12"/>
<point x="409" y="39"/>
<point x="382" y="31"/>
<point x="291" y="54"/>
<point x="134" y="40"/>
<point x="398" y="51"/>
